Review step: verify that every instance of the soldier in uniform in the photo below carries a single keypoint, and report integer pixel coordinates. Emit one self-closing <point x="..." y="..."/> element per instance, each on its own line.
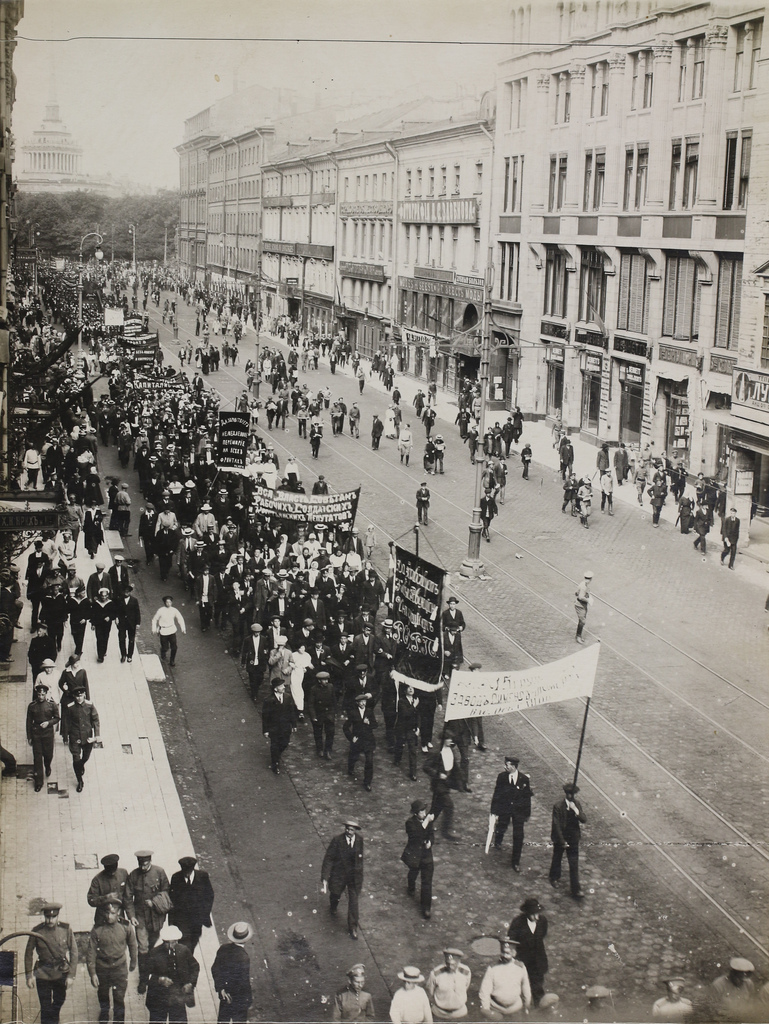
<point x="511" y="801"/>
<point x="109" y="884"/>
<point x="447" y="986"/>
<point x="108" y="944"/>
<point x="147" y="903"/>
<point x="56" y="966"/>
<point x="352" y="1002"/>
<point x="42" y="717"/>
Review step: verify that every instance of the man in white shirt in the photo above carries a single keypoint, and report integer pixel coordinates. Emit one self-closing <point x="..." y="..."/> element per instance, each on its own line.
<point x="164" y="624"/>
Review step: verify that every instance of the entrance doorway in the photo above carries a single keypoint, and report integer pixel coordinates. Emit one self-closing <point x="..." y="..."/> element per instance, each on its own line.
<point x="554" y="388"/>
<point x="591" y="401"/>
<point x="631" y="412"/>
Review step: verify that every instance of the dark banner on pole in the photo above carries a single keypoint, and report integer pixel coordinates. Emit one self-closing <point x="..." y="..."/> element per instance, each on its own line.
<point x="417" y="604"/>
<point x="335" y="509"/>
<point x="233" y="440"/>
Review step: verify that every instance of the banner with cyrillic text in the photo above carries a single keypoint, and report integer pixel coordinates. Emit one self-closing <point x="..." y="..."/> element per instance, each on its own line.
<point x="417" y="605"/>
<point x="480" y="694"/>
<point x="232" y="440"/>
<point x="337" y="509"/>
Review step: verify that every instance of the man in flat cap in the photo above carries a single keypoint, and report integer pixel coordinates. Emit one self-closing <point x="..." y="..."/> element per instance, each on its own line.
<point x="108" y="944"/>
<point x="192" y="896"/>
<point x="147" y="902"/>
<point x="505" y="987"/>
<point x="447" y="986"/>
<point x="673" y="1006"/>
<point x="42" y="718"/>
<point x="56" y="966"/>
<point x="109" y="884"/>
<point x="529" y="930"/>
<point x="511" y="802"/>
<point x="321" y="707"/>
<point x="732" y="995"/>
<point x="565" y="834"/>
<point x="342" y="869"/>
<point x="352" y="1003"/>
<point x="418" y="854"/>
<point x="172" y="973"/>
<point x="231" y="974"/>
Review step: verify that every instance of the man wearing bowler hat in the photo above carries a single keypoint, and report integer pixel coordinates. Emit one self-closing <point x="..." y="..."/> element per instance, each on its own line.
<point x="56" y="966"/>
<point x="511" y="802"/>
<point x="109" y="884"/>
<point x="231" y="973"/>
<point x="447" y="986"/>
<point x="192" y="896"/>
<point x="342" y="869"/>
<point x="172" y="973"/>
<point x="418" y="854"/>
<point x="529" y="930"/>
<point x="565" y="833"/>
<point x="108" y="944"/>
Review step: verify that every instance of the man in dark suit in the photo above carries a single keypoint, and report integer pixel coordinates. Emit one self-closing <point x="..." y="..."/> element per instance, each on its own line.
<point x="119" y="575"/>
<point x="129" y="617"/>
<point x="407" y="730"/>
<point x="279" y="719"/>
<point x="96" y="581"/>
<point x="254" y="655"/>
<point x="363" y="647"/>
<point x="170" y="962"/>
<point x="206" y="592"/>
<point x="231" y="973"/>
<point x="359" y="730"/>
<point x="192" y="896"/>
<point x="511" y="801"/>
<point x="531" y="944"/>
<point x="342" y="869"/>
<point x="315" y="609"/>
<point x="452" y="618"/>
<point x="730" y="534"/>
<point x="565" y="834"/>
<point x="418" y="854"/>
<point x="38" y="565"/>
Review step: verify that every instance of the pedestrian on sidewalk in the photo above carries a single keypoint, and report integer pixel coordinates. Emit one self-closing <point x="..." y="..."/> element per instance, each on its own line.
<point x="640" y="479"/>
<point x="488" y="511"/>
<point x="164" y="624"/>
<point x="108" y="886"/>
<point x="354" y="420"/>
<point x="526" y="460"/>
<point x="108" y="944"/>
<point x="585" y="497"/>
<point x="56" y="966"/>
<point x="172" y="973"/>
<point x="352" y="1003"/>
<point x="583" y="602"/>
<point x="418" y="855"/>
<point x="147" y="902"/>
<point x="565" y="834"/>
<point x="621" y="464"/>
<point x="377" y="429"/>
<point x="42" y="718"/>
<point x="423" y="503"/>
<point x="192" y="896"/>
<point x="511" y="803"/>
<point x="566" y="457"/>
<point x="730" y="534"/>
<point x="359" y="731"/>
<point x="342" y="869"/>
<point x="657" y="494"/>
<point x="103" y="614"/>
<point x="702" y="527"/>
<point x="570" y="488"/>
<point x="80" y="729"/>
<point x="129" y="617"/>
<point x="607" y="492"/>
<point x="231" y="974"/>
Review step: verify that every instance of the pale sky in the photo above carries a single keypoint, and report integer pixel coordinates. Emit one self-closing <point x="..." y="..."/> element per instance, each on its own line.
<point x="126" y="81"/>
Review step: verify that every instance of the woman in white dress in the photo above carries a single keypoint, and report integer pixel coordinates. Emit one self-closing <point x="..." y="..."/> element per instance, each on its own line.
<point x="301" y="661"/>
<point x="390" y="428"/>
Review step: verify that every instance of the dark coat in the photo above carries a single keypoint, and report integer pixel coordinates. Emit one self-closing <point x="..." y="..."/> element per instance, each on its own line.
<point x="191" y="903"/>
<point x="231" y="972"/>
<point x="279" y="718"/>
<point x="341" y="865"/>
<point x="419" y="845"/>
<point x="129" y="613"/>
<point x="730" y="530"/>
<point x="565" y="828"/>
<point x="180" y="966"/>
<point x="512" y="798"/>
<point x="531" y="945"/>
<point x="360" y="731"/>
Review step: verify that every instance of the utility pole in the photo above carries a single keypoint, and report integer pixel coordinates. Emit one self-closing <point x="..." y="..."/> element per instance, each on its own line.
<point x="472" y="565"/>
<point x="165" y="246"/>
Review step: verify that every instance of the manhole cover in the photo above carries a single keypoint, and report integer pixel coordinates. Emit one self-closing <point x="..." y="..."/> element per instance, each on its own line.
<point x="485" y="945"/>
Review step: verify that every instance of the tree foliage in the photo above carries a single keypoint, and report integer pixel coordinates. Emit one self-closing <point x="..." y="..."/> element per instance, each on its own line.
<point x="60" y="221"/>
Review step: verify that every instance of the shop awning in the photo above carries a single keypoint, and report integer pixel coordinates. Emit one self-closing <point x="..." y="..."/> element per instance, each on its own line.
<point x="753" y="442"/>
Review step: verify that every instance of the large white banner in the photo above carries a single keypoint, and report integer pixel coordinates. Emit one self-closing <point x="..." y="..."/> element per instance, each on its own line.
<point x="478" y="694"/>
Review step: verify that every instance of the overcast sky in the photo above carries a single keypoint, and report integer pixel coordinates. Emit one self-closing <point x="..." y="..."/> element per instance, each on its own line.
<point x="127" y="74"/>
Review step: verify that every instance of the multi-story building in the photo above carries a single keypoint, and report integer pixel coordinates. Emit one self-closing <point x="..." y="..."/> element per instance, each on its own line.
<point x="621" y="185"/>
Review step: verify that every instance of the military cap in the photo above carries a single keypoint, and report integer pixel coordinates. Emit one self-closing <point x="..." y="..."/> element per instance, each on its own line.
<point x="322" y="675"/>
<point x="50" y="907"/>
<point x="453" y="951"/>
<point x="598" y="992"/>
<point x="187" y="862"/>
<point x="739" y="963"/>
<point x="143" y="854"/>
<point x="110" y="860"/>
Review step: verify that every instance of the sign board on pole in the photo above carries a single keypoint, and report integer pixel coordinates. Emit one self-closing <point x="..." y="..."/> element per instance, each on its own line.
<point x="113" y="316"/>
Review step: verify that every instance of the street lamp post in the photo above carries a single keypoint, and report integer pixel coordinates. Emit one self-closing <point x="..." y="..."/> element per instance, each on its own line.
<point x="132" y="232"/>
<point x="99" y="255"/>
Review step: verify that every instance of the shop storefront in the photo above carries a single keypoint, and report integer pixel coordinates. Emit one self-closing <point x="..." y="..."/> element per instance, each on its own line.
<point x="748" y="447"/>
<point x="631" y="382"/>
<point x="555" y="368"/>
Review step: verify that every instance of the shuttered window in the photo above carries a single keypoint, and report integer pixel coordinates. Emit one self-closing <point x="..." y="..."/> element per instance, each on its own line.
<point x="680" y="313"/>
<point x="728" y="303"/>
<point x="633" y="314"/>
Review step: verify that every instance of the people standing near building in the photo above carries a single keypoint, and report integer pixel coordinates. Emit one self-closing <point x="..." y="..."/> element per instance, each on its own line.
<point x="505" y="988"/>
<point x="353" y="1003"/>
<point x="192" y="898"/>
<point x="80" y="729"/>
<point x="42" y="718"/>
<point x="582" y="603"/>
<point x="165" y="622"/>
<point x="54" y="971"/>
<point x="231" y="975"/>
<point x="511" y="802"/>
<point x="529" y="931"/>
<point x="172" y="973"/>
<point x="146" y="902"/>
<point x="342" y="869"/>
<point x="447" y="986"/>
<point x="109" y="943"/>
<point x="565" y="834"/>
<point x="410" y="1004"/>
<point x="730" y="535"/>
<point x="418" y="855"/>
<point x="621" y="464"/>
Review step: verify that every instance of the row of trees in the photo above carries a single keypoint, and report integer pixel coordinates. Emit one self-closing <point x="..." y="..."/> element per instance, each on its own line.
<point x="56" y="223"/>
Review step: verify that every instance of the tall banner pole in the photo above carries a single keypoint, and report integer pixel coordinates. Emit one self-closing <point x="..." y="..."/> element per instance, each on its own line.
<point x="581" y="739"/>
<point x="416" y="541"/>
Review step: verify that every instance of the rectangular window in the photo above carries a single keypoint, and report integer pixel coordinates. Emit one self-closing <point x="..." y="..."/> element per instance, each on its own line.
<point x="517" y="184"/>
<point x="698" y="68"/>
<point x="457" y="179"/>
<point x="604" y="89"/>
<point x="648" y="78"/>
<point x="431" y="181"/>
<point x="728" y="302"/>
<point x="567" y="99"/>
<point x="419" y="181"/>
<point x="641" y="176"/>
<point x="626" y="192"/>
<point x="552" y="183"/>
<point x="508" y="276"/>
<point x="635" y="61"/>
<point x="454" y="245"/>
<point x="429" y="232"/>
<point x="555" y="283"/>
<point x="561" y="197"/>
<point x="375" y="186"/>
<point x="441" y="246"/>
<point x="633" y="304"/>
<point x="408" y="183"/>
<point x="476" y="248"/>
<point x="682" y="54"/>
<point x="557" y="97"/>
<point x="593" y="90"/>
<point x="587" y="191"/>
<point x="600" y="178"/>
<point x="755" y="53"/>
<point x="417" y="243"/>
<point x="443" y="180"/>
<point x="407" y="250"/>
<point x="765" y="336"/>
<point x="592" y="286"/>
<point x="739" y="56"/>
<point x="479" y="178"/>
<point x="730" y="169"/>
<point x="506" y="196"/>
<point x="365" y="187"/>
<point x="747" y="142"/>
<point x="691" y="168"/>
<point x="680" y="309"/>
<point x="675" y="173"/>
<point x="357" y="186"/>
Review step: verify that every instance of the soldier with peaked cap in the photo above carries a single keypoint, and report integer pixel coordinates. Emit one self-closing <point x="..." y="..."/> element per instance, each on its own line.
<point x="505" y="988"/>
<point x="56" y="966"/>
<point x="231" y="974"/>
<point x="192" y="896"/>
<point x="732" y="995"/>
<point x="673" y="1006"/>
<point x="109" y="884"/>
<point x="80" y="729"/>
<point x="147" y="902"/>
<point x="108" y="944"/>
<point x="447" y="986"/>
<point x="565" y="835"/>
<point x="42" y="718"/>
<point x="351" y="1003"/>
<point x="342" y="869"/>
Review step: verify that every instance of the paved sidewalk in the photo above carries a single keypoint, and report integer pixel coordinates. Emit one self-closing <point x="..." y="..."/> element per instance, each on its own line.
<point x="51" y="842"/>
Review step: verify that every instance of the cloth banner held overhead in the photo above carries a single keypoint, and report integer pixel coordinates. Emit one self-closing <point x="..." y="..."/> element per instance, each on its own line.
<point x="338" y="509"/>
<point x="477" y="694"/>
<point x="417" y="602"/>
<point x="233" y="440"/>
